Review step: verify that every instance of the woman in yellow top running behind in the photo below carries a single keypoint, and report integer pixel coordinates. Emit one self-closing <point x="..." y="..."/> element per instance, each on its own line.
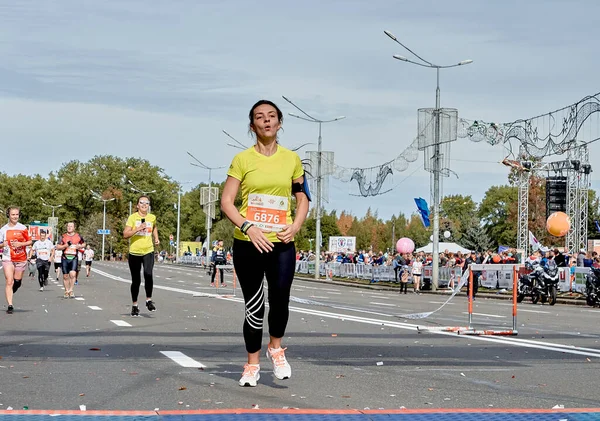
<point x="141" y="229"/>
<point x="268" y="174"/>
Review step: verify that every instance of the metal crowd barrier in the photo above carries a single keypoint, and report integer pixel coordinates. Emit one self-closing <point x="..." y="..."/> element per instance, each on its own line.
<point x="192" y="260"/>
<point x="374" y="273"/>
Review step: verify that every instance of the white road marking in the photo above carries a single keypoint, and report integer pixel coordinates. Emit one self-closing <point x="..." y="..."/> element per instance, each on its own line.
<point x="80" y="298"/>
<point x="382" y="304"/>
<point x="94" y="308"/>
<point x="487" y="315"/>
<point x="121" y="323"/>
<point x="534" y="311"/>
<point x="512" y="341"/>
<point x="182" y="359"/>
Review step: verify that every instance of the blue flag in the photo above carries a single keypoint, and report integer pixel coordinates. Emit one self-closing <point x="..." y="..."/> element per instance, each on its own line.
<point x="597" y="226"/>
<point x="423" y="211"/>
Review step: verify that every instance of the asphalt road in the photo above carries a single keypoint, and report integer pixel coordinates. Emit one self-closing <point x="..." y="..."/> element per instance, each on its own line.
<point x="348" y="348"/>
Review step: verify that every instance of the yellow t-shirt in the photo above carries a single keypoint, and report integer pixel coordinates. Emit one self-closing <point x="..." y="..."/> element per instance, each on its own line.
<point x="141" y="243"/>
<point x="266" y="188"/>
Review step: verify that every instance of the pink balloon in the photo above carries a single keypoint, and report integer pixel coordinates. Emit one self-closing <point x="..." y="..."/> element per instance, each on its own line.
<point x="405" y="245"/>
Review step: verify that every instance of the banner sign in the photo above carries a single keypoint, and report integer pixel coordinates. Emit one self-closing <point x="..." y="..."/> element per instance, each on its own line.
<point x="342" y="244"/>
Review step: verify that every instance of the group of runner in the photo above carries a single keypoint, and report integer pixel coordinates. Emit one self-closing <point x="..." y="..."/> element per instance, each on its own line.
<point x="15" y="242"/>
<point x="71" y="249"/>
<point x="268" y="175"/>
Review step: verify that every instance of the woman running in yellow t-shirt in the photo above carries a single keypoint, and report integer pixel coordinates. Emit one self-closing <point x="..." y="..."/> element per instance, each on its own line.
<point x="268" y="174"/>
<point x="141" y="229"/>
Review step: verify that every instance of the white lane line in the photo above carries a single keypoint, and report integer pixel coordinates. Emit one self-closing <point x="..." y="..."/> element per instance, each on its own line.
<point x="122" y="323"/>
<point x="80" y="298"/>
<point x="534" y="311"/>
<point x="487" y="315"/>
<point x="182" y="359"/>
<point x="382" y="304"/>
<point x="318" y="296"/>
<point x="440" y="302"/>
<point x="94" y="308"/>
<point x="513" y="341"/>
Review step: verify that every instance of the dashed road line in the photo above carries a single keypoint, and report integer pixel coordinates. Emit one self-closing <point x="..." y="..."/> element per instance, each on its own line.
<point x="182" y="359"/>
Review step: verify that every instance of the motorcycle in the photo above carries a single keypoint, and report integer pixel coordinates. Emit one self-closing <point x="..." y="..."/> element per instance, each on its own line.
<point x="540" y="284"/>
<point x="548" y="285"/>
<point x="592" y="287"/>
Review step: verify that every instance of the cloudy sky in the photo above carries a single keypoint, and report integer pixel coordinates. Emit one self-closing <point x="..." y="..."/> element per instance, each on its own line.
<point x="154" y="79"/>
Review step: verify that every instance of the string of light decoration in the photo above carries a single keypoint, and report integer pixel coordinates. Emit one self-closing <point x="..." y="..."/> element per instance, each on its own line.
<point x="538" y="138"/>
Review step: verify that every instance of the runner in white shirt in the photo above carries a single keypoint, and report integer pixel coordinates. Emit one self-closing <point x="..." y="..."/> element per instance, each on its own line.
<point x="44" y="249"/>
<point x="58" y="263"/>
<point x="88" y="255"/>
<point x="417" y="268"/>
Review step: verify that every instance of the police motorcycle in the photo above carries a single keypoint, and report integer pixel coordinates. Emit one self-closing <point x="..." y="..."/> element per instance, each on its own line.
<point x="541" y="284"/>
<point x="592" y="287"/>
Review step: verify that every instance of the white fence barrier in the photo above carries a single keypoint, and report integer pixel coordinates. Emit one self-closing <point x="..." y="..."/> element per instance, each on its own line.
<point x="192" y="260"/>
<point x="499" y="277"/>
<point x="374" y="273"/>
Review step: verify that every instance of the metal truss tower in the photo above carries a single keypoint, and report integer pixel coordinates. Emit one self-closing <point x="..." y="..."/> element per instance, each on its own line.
<point x="584" y="182"/>
<point x="572" y="240"/>
<point x="523" y="223"/>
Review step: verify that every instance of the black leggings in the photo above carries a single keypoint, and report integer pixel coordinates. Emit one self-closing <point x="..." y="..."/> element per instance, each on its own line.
<point x="251" y="267"/>
<point x="42" y="268"/>
<point x="135" y="265"/>
<point x="214" y="272"/>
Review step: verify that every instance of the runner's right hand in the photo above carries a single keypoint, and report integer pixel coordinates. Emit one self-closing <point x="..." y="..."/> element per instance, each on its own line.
<point x="259" y="239"/>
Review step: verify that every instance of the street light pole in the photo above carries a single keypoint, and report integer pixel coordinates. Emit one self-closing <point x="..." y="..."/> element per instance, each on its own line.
<point x="436" y="152"/>
<point x="178" y="222"/>
<point x="436" y="190"/>
<point x="99" y="197"/>
<point x="179" y="217"/>
<point x="208" y="217"/>
<point x="318" y="236"/>
<point x="50" y="206"/>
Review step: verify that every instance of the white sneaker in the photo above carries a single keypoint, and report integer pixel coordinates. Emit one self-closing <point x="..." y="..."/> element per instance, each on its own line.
<point x="281" y="368"/>
<point x="250" y="376"/>
<point x="41" y="288"/>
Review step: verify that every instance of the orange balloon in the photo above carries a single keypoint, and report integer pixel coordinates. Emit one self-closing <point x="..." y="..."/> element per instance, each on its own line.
<point x="558" y="224"/>
<point x="496" y="259"/>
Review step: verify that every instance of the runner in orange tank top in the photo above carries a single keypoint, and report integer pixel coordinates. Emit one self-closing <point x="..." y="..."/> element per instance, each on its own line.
<point x="14" y="239"/>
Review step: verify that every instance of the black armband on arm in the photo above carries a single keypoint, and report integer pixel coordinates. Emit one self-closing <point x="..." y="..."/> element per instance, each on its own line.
<point x="301" y="188"/>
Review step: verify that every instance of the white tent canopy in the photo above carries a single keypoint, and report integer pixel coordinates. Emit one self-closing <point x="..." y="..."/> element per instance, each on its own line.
<point x="451" y="247"/>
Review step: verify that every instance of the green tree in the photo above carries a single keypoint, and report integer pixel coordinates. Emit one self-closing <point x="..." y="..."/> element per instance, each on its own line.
<point x="417" y="232"/>
<point x="476" y="238"/>
<point x="457" y="212"/>
<point x="498" y="213"/>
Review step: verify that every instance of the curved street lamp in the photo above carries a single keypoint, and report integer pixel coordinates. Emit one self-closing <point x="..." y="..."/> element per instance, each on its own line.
<point x="436" y="162"/>
<point x="311" y="119"/>
<point x="98" y="197"/>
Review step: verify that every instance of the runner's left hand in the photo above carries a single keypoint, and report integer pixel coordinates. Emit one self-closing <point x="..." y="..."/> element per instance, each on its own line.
<point x="287" y="234"/>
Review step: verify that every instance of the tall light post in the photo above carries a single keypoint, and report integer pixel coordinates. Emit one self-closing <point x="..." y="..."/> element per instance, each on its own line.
<point x="436" y="152"/>
<point x="179" y="188"/>
<point x="311" y="119"/>
<point x="208" y="217"/>
<point x="140" y="191"/>
<point x="99" y="198"/>
<point x="50" y="206"/>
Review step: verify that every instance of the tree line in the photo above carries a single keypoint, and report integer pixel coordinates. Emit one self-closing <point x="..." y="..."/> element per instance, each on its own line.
<point x="74" y="186"/>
